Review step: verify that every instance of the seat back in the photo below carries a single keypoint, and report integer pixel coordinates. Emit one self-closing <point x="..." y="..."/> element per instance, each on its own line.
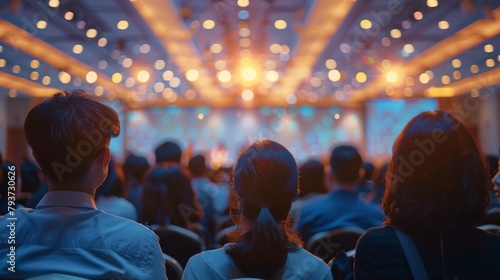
<point x="222" y="223"/>
<point x="174" y="269"/>
<point x="179" y="243"/>
<point x="56" y="276"/>
<point x="221" y="237"/>
<point x="495" y="229"/>
<point x="326" y="245"/>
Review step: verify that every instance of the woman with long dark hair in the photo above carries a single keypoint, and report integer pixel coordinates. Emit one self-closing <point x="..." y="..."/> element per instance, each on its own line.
<point x="436" y="192"/>
<point x="165" y="191"/>
<point x="265" y="182"/>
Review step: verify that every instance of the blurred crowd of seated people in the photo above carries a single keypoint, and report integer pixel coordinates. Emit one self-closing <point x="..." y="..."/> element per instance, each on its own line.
<point x="345" y="192"/>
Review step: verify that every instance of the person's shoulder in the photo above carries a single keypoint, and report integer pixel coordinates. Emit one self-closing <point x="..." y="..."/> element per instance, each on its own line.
<point x="314" y="202"/>
<point x="214" y="260"/>
<point x="15" y="215"/>
<point x="212" y="254"/>
<point x="380" y="234"/>
<point x="124" y="203"/>
<point x="117" y="224"/>
<point x="305" y="265"/>
<point x="301" y="253"/>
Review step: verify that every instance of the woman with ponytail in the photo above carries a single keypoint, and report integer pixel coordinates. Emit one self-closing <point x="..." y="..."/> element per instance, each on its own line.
<point x="265" y="182"/>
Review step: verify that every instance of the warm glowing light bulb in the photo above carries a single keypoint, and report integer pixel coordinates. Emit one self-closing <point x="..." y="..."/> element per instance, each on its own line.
<point x="34" y="75"/>
<point x="334" y="75"/>
<point x="91" y="77"/>
<point x="91" y="33"/>
<point x="432" y="3"/>
<point x="280" y="24"/>
<point x="365" y="24"/>
<point x="361" y="77"/>
<point x="391" y="76"/>
<point x="54" y="3"/>
<point x="424" y="78"/>
<point x="243" y="3"/>
<point x="418" y="15"/>
<point x="474" y="68"/>
<point x="143" y="76"/>
<point x="224" y="76"/>
<point x="489" y="48"/>
<point x="330" y="64"/>
<point x="216" y="48"/>
<point x="16" y="68"/>
<point x="122" y="24"/>
<point x="395" y="33"/>
<point x="41" y="24"/>
<point x="490" y="62"/>
<point x="34" y="63"/>
<point x="102" y="42"/>
<point x="249" y="74"/>
<point x="167" y="75"/>
<point x="159" y="64"/>
<point x="409" y="48"/>
<point x="443" y="24"/>
<point x="220" y="65"/>
<point x="127" y="62"/>
<point x="69" y="15"/>
<point x="272" y="76"/>
<point x="445" y="79"/>
<point x="192" y="75"/>
<point x="77" y="49"/>
<point x="208" y="24"/>
<point x="116" y="78"/>
<point x="64" y="77"/>
<point x="247" y="95"/>
<point x="46" y="80"/>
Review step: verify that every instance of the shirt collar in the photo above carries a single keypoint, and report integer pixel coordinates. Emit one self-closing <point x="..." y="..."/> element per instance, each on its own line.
<point x="72" y="199"/>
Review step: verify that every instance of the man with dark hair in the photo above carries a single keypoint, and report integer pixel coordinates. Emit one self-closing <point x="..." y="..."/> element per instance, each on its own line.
<point x="187" y="211"/>
<point x="65" y="234"/>
<point x="341" y="207"/>
<point x="168" y="152"/>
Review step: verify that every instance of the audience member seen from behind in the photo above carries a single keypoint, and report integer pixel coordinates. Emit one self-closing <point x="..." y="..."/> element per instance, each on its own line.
<point x="168" y="197"/>
<point x="311" y="183"/>
<point x="213" y="199"/>
<point x="496" y="182"/>
<point x="265" y="181"/>
<point x="493" y="167"/>
<point x="366" y="185"/>
<point x="135" y="168"/>
<point x="377" y="192"/>
<point x="65" y="234"/>
<point x="109" y="196"/>
<point x="436" y="192"/>
<point x="341" y="207"/>
<point x="30" y="179"/>
<point x="493" y="214"/>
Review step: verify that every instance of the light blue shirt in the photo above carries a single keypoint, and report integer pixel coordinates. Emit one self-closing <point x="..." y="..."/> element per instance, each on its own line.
<point x="66" y="234"/>
<point x="217" y="265"/>
<point x="211" y="195"/>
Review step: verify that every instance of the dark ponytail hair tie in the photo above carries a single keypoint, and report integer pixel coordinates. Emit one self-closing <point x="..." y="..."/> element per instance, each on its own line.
<point x="265" y="206"/>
